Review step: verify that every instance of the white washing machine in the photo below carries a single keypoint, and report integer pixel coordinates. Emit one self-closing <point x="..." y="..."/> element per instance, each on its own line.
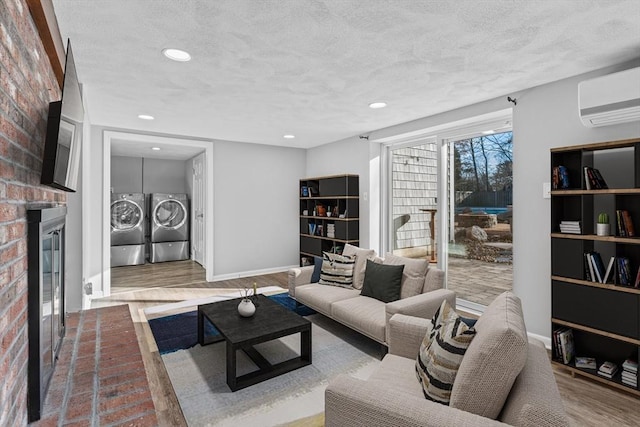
<point x="127" y="229"/>
<point x="169" y="222"/>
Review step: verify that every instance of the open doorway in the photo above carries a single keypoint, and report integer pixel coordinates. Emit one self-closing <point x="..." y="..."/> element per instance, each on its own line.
<point x="152" y="166"/>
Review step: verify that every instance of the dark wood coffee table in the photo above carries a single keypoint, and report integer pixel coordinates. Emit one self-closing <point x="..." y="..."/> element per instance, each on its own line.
<point x="271" y="321"/>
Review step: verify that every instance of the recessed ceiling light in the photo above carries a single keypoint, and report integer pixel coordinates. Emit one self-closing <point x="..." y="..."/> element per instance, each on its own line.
<point x="288" y="136"/>
<point x="155" y="148"/>
<point x="377" y="105"/>
<point x="145" y="117"/>
<point x="177" y="55"/>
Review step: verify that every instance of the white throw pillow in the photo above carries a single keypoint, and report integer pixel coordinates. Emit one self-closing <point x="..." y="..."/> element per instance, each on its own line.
<point x="413" y="275"/>
<point x="362" y="255"/>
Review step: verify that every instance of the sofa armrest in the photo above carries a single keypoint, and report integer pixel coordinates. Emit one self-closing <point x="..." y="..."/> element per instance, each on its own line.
<point x="405" y="334"/>
<point x="350" y="401"/>
<point x="299" y="276"/>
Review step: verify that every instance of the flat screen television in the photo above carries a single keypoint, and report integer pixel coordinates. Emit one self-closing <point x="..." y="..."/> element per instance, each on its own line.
<point x="61" y="159"/>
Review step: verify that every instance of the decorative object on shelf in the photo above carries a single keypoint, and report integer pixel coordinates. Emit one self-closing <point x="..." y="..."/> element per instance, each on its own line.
<point x="321" y="210"/>
<point x="246" y="307"/>
<point x="304" y="191"/>
<point x="305" y="212"/>
<point x="602" y="227"/>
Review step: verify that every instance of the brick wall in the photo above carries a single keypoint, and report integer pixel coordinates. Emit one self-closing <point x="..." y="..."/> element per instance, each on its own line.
<point x="27" y="85"/>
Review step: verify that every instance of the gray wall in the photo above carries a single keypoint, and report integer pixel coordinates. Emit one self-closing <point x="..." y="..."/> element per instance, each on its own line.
<point x="256" y="223"/>
<point x="545" y="117"/>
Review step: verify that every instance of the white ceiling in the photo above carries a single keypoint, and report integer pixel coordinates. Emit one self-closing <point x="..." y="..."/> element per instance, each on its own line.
<point x="264" y="68"/>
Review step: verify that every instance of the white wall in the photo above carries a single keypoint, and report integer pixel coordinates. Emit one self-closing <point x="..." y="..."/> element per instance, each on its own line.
<point x="349" y="156"/>
<point x="256" y="220"/>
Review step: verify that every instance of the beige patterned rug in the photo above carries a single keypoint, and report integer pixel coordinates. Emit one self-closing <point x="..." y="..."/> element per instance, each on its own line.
<point x="293" y="399"/>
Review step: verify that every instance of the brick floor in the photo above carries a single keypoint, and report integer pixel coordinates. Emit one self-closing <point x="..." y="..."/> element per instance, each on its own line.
<point x="99" y="379"/>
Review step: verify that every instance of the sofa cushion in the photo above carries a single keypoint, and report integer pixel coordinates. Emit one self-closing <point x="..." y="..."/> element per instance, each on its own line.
<point x="365" y="315"/>
<point x="413" y="275"/>
<point x="396" y="374"/>
<point x="441" y="353"/>
<point x="382" y="282"/>
<point x="337" y="270"/>
<point x="494" y="359"/>
<point x="362" y="255"/>
<point x="321" y="297"/>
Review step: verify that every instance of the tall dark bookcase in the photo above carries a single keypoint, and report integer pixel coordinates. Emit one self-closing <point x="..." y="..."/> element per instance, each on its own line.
<point x="604" y="317"/>
<point x="329" y="215"/>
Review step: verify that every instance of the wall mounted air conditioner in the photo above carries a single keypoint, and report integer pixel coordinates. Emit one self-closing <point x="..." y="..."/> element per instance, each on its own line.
<point x="610" y="99"/>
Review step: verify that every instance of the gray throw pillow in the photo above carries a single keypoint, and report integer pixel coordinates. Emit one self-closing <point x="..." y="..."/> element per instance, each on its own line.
<point x="382" y="282"/>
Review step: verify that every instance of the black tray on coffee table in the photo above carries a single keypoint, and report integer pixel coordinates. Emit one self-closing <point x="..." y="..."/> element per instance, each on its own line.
<point x="270" y="321"/>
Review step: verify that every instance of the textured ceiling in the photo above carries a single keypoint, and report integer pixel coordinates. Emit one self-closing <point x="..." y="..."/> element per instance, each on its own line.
<point x="264" y="68"/>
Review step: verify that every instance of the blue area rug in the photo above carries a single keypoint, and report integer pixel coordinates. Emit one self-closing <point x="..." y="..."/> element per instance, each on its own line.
<point x="180" y="331"/>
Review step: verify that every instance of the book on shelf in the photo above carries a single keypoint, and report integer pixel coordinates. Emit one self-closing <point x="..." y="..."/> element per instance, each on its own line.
<point x="625" y="223"/>
<point x="557" y="346"/>
<point x="609" y="271"/>
<point x="637" y="283"/>
<point x="566" y="345"/>
<point x="588" y="268"/>
<point x="586" y="362"/>
<point x="623" y="271"/>
<point x="559" y="177"/>
<point x="593" y="179"/>
<point x="597" y="267"/>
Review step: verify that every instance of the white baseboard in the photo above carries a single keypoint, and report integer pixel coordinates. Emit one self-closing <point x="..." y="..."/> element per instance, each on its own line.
<point x="545" y="340"/>
<point x="250" y="273"/>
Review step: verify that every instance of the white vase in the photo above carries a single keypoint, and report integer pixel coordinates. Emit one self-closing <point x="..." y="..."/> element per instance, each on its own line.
<point x="246" y="308"/>
<point x="602" y="229"/>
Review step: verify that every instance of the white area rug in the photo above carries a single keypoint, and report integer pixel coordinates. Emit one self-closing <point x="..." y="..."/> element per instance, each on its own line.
<point x="199" y="379"/>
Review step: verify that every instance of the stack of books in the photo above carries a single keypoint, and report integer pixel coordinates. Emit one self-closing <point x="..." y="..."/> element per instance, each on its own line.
<point x="630" y="373"/>
<point x="608" y="369"/>
<point x="331" y="231"/>
<point x="572" y="227"/>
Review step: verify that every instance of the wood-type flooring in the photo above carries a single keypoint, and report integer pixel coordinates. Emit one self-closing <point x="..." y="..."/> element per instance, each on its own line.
<point x="587" y="402"/>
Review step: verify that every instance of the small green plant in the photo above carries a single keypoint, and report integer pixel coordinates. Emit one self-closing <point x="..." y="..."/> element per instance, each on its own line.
<point x="603" y="218"/>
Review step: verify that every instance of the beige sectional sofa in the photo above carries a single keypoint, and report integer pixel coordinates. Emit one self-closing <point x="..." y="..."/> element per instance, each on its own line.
<point x="367" y="315"/>
<point x="504" y="379"/>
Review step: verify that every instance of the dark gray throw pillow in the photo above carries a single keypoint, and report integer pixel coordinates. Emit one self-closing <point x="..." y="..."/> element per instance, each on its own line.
<point x="317" y="268"/>
<point x="382" y="282"/>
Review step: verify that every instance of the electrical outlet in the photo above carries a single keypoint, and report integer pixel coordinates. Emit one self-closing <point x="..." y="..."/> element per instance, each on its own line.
<point x="546" y="190"/>
<point x="365" y="196"/>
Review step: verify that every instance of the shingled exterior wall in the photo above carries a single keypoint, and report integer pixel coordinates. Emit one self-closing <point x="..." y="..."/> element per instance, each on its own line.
<point x="27" y="85"/>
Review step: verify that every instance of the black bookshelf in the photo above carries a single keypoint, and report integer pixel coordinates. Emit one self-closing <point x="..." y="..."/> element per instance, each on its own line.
<point x="329" y="215"/>
<point x="604" y="317"/>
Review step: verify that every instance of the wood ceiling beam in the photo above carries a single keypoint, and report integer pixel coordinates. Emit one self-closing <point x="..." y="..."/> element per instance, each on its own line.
<point x="44" y="18"/>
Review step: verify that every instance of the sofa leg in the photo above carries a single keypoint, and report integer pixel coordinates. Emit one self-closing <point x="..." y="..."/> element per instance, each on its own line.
<point x="383" y="351"/>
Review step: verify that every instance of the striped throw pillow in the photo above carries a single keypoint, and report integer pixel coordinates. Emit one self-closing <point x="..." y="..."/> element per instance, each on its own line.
<point x="337" y="270"/>
<point x="441" y="353"/>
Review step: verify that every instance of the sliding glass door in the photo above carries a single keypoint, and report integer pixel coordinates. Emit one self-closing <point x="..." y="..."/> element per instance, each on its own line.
<point x="479" y="216"/>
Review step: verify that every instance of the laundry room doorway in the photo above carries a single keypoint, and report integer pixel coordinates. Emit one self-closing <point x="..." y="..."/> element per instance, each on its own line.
<point x="171" y="174"/>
